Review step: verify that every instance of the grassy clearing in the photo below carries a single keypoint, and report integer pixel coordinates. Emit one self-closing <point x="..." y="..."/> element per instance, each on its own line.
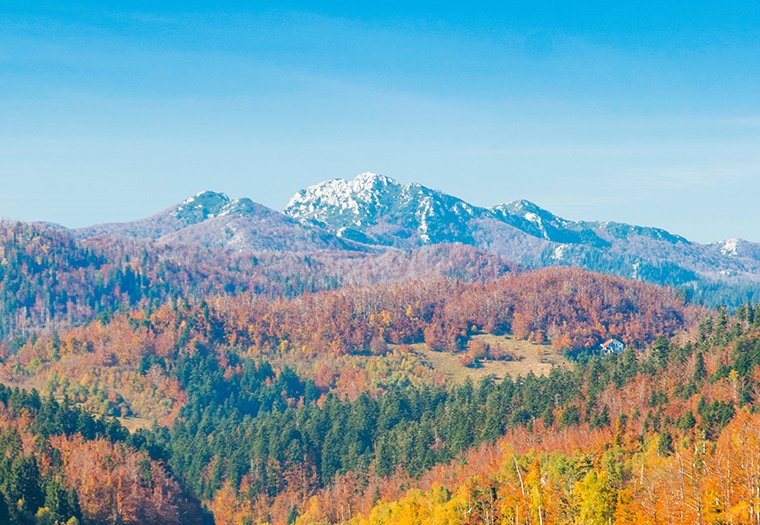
<point x="528" y="357"/>
<point x="134" y="423"/>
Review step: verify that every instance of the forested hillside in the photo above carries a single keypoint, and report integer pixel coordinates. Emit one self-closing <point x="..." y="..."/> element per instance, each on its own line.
<point x="49" y="280"/>
<point x="61" y="464"/>
<point x="670" y="437"/>
<point x="257" y="441"/>
<point x="180" y="384"/>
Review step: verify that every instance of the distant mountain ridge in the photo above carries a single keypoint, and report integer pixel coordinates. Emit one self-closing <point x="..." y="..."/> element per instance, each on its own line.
<point x="375" y="213"/>
<point x="375" y="207"/>
<point x="213" y="220"/>
<point x="377" y="210"/>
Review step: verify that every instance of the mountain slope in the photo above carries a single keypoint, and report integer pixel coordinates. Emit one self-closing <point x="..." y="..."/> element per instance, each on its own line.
<point x="212" y="219"/>
<point x="378" y="210"/>
<point x="737" y="248"/>
<point x="374" y="209"/>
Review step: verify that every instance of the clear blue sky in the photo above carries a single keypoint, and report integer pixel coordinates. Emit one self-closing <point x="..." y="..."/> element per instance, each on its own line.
<point x="647" y="113"/>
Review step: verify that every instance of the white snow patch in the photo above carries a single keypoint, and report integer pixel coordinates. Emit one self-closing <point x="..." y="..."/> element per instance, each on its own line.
<point x="730" y="247"/>
<point x="350" y="196"/>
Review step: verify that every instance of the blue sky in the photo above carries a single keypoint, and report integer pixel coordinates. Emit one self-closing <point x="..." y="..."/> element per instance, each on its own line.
<point x="641" y="112"/>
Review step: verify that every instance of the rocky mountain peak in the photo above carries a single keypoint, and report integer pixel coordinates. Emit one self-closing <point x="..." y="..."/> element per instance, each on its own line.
<point x="338" y="192"/>
<point x="368" y="181"/>
<point x="354" y="201"/>
<point x="209" y="204"/>
<point x="375" y="209"/>
<point x="730" y="247"/>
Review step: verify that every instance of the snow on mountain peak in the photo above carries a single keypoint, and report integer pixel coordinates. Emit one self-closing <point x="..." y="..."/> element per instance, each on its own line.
<point x="730" y="247"/>
<point x="386" y="212"/>
<point x="210" y="204"/>
<point x="204" y="196"/>
<point x="532" y="217"/>
<point x="346" y="196"/>
<point x="369" y="180"/>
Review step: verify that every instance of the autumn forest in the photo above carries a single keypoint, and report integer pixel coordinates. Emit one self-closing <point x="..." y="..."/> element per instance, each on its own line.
<point x="152" y="383"/>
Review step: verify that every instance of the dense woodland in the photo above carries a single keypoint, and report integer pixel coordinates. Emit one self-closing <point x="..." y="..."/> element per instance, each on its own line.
<point x="267" y="397"/>
<point x="49" y="280"/>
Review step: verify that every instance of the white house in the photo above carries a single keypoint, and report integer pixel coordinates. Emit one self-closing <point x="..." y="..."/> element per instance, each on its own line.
<point x="612" y="346"/>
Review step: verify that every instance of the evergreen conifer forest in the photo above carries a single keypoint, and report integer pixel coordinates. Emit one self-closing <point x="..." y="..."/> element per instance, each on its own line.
<point x="147" y="383"/>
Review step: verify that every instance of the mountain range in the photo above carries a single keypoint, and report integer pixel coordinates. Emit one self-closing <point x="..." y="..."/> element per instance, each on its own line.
<point x="213" y="220"/>
<point x="374" y="213"/>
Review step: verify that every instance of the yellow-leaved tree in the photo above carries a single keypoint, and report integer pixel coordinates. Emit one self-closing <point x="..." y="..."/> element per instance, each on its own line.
<point x="595" y="499"/>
